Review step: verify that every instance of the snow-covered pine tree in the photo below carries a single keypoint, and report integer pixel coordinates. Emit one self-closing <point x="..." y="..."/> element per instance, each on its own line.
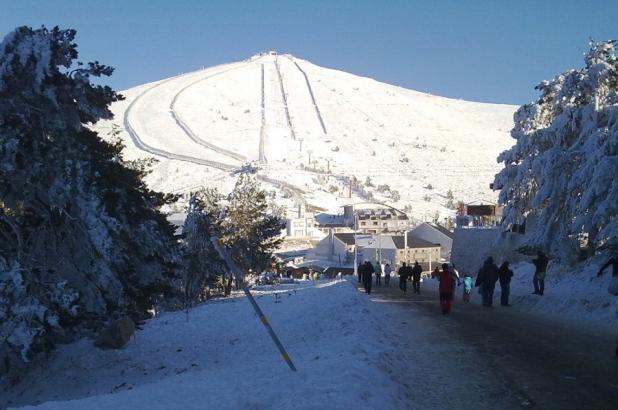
<point x="251" y="227"/>
<point x="563" y="168"/>
<point x="202" y="264"/>
<point x="82" y="240"/>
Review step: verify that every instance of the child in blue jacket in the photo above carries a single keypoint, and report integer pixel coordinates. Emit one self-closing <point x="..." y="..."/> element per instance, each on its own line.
<point x="467" y="287"/>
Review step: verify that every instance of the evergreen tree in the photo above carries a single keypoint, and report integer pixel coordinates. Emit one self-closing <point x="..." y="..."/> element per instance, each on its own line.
<point x="563" y="166"/>
<point x="252" y="227"/>
<point x="202" y="265"/>
<point x="82" y="239"/>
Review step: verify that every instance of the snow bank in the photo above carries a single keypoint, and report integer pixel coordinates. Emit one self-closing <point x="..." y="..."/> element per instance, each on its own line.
<point x="221" y="357"/>
<point x="576" y="296"/>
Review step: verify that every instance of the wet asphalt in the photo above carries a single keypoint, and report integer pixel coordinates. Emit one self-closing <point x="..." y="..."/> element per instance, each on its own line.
<point x="531" y="361"/>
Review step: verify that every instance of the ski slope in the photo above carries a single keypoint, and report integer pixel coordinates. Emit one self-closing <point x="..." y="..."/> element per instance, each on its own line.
<point x="311" y="129"/>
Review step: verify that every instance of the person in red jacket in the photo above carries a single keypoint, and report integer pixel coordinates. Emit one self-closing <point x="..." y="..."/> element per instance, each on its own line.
<point x="446" y="278"/>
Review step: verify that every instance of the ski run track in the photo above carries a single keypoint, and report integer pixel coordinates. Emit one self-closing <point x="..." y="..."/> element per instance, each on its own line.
<point x="140" y="143"/>
<point x="309" y="130"/>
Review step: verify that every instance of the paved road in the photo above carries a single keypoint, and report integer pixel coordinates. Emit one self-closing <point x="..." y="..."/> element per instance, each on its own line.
<point x="512" y="359"/>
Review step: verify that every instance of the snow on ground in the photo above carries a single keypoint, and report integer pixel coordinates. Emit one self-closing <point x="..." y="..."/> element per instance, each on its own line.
<point x="577" y="295"/>
<point x="221" y="357"/>
<point x="351" y="351"/>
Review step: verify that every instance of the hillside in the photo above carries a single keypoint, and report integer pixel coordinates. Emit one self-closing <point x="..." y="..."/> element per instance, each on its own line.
<point x="309" y="129"/>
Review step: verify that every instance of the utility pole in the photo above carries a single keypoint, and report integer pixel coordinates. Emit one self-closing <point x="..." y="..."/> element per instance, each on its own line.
<point x="237" y="273"/>
<point x="430" y="263"/>
<point x="380" y="248"/>
<point x="309" y="161"/>
<point x="350" y="190"/>
<point x="355" y="245"/>
<point x="405" y="246"/>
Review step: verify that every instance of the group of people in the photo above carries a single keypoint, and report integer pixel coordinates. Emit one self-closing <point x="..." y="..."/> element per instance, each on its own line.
<point x="366" y="271"/>
<point x="407" y="273"/>
<point x="486" y="280"/>
<point x="488" y="275"/>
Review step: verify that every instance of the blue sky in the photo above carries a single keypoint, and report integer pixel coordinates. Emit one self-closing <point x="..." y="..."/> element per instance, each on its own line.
<point x="493" y="51"/>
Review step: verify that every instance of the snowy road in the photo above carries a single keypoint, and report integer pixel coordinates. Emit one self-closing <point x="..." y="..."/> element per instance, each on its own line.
<point x="497" y="358"/>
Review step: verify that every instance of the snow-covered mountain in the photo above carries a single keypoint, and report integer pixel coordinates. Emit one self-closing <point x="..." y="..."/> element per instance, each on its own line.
<point x="310" y="129"/>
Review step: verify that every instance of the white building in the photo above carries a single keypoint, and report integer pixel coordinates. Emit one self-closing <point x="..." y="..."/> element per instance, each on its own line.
<point x="375" y="218"/>
<point x="392" y="249"/>
<point x="300" y="223"/>
<point x="436" y="234"/>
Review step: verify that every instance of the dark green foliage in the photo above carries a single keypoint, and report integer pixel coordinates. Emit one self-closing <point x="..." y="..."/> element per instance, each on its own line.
<point x="82" y="239"/>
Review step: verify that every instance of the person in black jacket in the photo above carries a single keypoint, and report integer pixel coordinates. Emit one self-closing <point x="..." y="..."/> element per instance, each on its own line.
<point x="505" y="274"/>
<point x="486" y="279"/>
<point x="539" y="274"/>
<point x="403" y="277"/>
<point x="367" y="272"/>
<point x="416" y="277"/>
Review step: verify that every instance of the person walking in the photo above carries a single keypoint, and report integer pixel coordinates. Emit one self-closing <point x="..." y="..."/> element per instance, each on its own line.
<point x="387" y="274"/>
<point x="505" y="274"/>
<point x="445" y="288"/>
<point x="486" y="279"/>
<point x="538" y="280"/>
<point x="613" y="287"/>
<point x="403" y="278"/>
<point x="359" y="272"/>
<point x="378" y="270"/>
<point x="416" y="277"/>
<point x="367" y="273"/>
<point x="436" y="273"/>
<point x="467" y="287"/>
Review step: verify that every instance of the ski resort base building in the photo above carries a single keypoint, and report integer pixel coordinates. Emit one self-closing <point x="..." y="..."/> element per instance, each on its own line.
<point x="391" y="249"/>
<point x="300" y="223"/>
<point x="375" y="218"/>
<point x="435" y="233"/>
